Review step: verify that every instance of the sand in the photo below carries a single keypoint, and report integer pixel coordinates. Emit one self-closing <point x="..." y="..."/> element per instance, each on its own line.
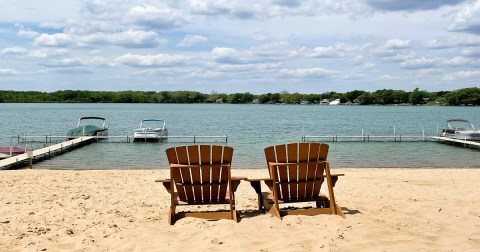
<point x="125" y="210"/>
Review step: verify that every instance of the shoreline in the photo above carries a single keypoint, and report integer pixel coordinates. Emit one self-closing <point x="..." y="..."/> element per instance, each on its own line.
<point x="393" y="209"/>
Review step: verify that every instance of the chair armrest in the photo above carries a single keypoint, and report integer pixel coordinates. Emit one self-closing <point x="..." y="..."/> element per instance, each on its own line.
<point x="167" y="183"/>
<point x="335" y="178"/>
<point x="239" y="178"/>
<point x="257" y="179"/>
<point x="336" y="175"/>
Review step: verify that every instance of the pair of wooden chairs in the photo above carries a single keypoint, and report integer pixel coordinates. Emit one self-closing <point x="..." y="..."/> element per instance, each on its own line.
<point x="201" y="175"/>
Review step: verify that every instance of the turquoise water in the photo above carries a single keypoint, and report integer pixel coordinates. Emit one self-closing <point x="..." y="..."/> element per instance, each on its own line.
<point x="250" y="128"/>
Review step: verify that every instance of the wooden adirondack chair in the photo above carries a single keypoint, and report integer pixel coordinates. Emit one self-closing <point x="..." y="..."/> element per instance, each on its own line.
<point x="200" y="175"/>
<point x="297" y="172"/>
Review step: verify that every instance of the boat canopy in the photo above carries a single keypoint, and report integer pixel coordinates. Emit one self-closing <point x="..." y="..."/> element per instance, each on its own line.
<point x="87" y="130"/>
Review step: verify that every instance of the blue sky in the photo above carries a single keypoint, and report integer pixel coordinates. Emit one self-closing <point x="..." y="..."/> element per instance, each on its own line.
<point x="311" y="46"/>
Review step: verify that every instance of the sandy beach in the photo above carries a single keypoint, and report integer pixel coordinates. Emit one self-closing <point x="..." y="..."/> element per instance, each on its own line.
<point x="125" y="210"/>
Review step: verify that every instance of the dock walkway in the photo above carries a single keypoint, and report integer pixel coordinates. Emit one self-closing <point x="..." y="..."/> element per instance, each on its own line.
<point x="60" y="147"/>
<point x="453" y="141"/>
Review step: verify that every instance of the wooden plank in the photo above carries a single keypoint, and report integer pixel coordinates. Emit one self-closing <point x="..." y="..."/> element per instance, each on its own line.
<point x="281" y="171"/>
<point x="217" y="155"/>
<point x="46" y="150"/>
<point x="323" y="151"/>
<point x="194" y="158"/>
<point x="205" y="158"/>
<point x="182" y="158"/>
<point x="292" y="155"/>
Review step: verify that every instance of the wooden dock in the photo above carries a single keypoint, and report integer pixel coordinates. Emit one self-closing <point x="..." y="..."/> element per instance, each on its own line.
<point x="127" y="138"/>
<point x="44" y="152"/>
<point x="457" y="142"/>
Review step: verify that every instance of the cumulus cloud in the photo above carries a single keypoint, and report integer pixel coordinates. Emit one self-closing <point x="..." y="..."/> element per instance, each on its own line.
<point x="391" y="47"/>
<point x="129" y="38"/>
<point x="387" y="77"/>
<point x="14" y="51"/>
<point x="410" y="5"/>
<point x="67" y="62"/>
<point x="8" y="71"/>
<point x="316" y="72"/>
<point x="471" y="52"/>
<point x="326" y="52"/>
<point x="397" y="44"/>
<point x="191" y="40"/>
<point x="159" y="60"/>
<point x="27" y="33"/>
<point x="420" y="63"/>
<point x="153" y="17"/>
<point x="227" y="55"/>
<point x="55" y="40"/>
<point x="462" y="75"/>
<point x="467" y="19"/>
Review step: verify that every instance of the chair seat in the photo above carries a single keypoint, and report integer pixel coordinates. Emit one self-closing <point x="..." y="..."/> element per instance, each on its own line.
<point x="177" y="201"/>
<point x="269" y="196"/>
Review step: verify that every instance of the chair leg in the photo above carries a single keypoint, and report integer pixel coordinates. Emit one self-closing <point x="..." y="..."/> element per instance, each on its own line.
<point x="235" y="217"/>
<point x="171" y="216"/>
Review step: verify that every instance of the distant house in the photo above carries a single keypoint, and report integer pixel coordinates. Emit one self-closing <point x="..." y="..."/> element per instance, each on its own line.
<point x="304" y="102"/>
<point x="255" y="101"/>
<point x="220" y="100"/>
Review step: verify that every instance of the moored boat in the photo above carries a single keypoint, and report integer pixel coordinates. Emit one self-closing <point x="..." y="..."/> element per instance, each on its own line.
<point x="9" y="151"/>
<point x="151" y="130"/>
<point x="461" y="129"/>
<point x="335" y="102"/>
<point x="84" y="128"/>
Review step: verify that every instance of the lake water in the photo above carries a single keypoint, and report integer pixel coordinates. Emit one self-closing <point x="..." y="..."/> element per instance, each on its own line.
<point x="250" y="128"/>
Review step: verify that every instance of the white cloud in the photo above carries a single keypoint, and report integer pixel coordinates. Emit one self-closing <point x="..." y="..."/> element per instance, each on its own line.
<point x="397" y="44"/>
<point x="159" y="60"/>
<point x="7" y="71"/>
<point x="129" y="38"/>
<point x="14" y="51"/>
<point x="467" y="19"/>
<point x="462" y="75"/>
<point x="48" y="53"/>
<point x="55" y="40"/>
<point x="420" y="63"/>
<point x="27" y="33"/>
<point x="316" y="72"/>
<point x="387" y="77"/>
<point x="67" y="62"/>
<point x="391" y="47"/>
<point x="471" y="52"/>
<point x="191" y="40"/>
<point x="227" y="55"/>
<point x="153" y="17"/>
<point x="325" y="52"/>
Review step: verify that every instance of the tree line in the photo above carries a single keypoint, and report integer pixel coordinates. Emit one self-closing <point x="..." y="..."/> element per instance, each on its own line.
<point x="465" y="96"/>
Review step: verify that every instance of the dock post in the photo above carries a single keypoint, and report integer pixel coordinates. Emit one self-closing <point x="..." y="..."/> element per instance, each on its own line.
<point x="30" y="158"/>
<point x="226" y="138"/>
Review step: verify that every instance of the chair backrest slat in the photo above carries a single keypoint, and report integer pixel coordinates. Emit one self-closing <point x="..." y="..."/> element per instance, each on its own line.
<point x="205" y="180"/>
<point x="303" y="178"/>
<point x="205" y="153"/>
